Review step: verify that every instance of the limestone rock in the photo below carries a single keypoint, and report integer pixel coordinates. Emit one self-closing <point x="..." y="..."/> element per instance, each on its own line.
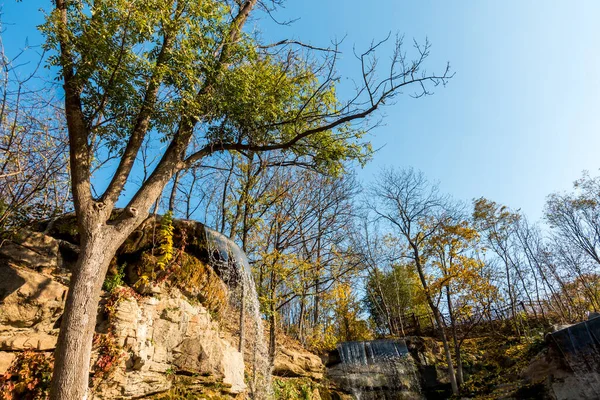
<point x="29" y="299"/>
<point x="6" y="358"/>
<point x="28" y="341"/>
<point x="291" y="360"/>
<point x="165" y="336"/>
<point x="33" y="249"/>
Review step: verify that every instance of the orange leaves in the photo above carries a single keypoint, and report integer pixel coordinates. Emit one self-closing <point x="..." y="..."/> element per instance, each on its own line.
<point x="451" y="252"/>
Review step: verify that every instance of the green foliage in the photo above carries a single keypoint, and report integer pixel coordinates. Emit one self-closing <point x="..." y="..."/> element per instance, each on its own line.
<point x="294" y="389"/>
<point x="114" y="279"/>
<point x="398" y="291"/>
<point x="165" y="240"/>
<point x="115" y="46"/>
<point x="28" y="377"/>
<point x="242" y="94"/>
<point x="160" y="256"/>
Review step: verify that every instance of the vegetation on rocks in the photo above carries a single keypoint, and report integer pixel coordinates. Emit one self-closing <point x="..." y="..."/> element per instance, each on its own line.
<point x="28" y="378"/>
<point x="183" y="109"/>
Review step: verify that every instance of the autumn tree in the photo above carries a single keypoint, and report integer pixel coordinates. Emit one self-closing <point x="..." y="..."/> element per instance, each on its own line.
<point x="393" y="296"/>
<point x="457" y="272"/>
<point x="498" y="226"/>
<point x="183" y="73"/>
<point x="414" y="210"/>
<point x="347" y="309"/>
<point x="298" y="248"/>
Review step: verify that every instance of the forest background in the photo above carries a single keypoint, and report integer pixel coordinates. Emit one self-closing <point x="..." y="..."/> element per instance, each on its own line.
<point x="343" y="253"/>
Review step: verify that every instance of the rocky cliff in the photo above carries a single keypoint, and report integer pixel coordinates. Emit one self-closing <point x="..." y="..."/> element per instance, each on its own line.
<point x="150" y="334"/>
<point x="148" y="338"/>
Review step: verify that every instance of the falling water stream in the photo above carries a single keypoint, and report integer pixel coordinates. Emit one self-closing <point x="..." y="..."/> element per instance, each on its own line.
<point x="579" y="345"/>
<point x="378" y="369"/>
<point x="231" y="263"/>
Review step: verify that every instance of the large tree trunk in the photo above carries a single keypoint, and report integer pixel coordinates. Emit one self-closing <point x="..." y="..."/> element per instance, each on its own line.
<point x="74" y="347"/>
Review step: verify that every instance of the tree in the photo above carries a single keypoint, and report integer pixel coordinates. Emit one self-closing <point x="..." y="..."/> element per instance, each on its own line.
<point x="298" y="247"/>
<point x="34" y="176"/>
<point x="498" y="226"/>
<point x="347" y="309"/>
<point x="415" y="210"/>
<point x="457" y="271"/>
<point x="575" y="217"/>
<point x="183" y="73"/>
<point x="391" y="296"/>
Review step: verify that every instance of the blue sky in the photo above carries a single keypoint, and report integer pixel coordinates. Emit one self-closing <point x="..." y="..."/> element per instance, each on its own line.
<point x="521" y="117"/>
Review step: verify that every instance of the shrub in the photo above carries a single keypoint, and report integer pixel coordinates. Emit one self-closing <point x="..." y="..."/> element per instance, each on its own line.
<point x="115" y="279"/>
<point x="28" y="377"/>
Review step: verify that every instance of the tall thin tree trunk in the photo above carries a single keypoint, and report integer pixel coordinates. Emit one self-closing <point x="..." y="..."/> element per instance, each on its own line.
<point x="272" y="335"/>
<point x="459" y="367"/>
<point x="447" y="352"/>
<point x="301" y="317"/>
<point x="437" y="315"/>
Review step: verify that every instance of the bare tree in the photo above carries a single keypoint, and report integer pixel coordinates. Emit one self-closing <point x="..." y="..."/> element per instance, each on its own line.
<point x="34" y="174"/>
<point x="415" y="209"/>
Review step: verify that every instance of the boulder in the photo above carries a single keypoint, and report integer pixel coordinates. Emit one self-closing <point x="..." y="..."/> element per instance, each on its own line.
<point x="29" y="299"/>
<point x="291" y="360"/>
<point x="568" y="367"/>
<point x="33" y="249"/>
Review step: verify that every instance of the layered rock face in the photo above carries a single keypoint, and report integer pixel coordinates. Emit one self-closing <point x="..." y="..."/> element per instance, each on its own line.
<point x="30" y="305"/>
<point x="163" y="333"/>
<point x="293" y="361"/>
<point x="569" y="367"/>
<point x="166" y="335"/>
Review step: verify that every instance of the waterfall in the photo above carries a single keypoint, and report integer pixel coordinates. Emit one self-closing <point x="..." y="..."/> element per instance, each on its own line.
<point x="377" y="369"/>
<point x="579" y="345"/>
<point x="231" y="264"/>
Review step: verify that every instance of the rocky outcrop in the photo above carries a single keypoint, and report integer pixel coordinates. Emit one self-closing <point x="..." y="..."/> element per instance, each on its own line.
<point x="159" y="336"/>
<point x="170" y="330"/>
<point x="33" y="249"/>
<point x="29" y="299"/>
<point x="167" y="336"/>
<point x="292" y="360"/>
<point x="568" y="367"/>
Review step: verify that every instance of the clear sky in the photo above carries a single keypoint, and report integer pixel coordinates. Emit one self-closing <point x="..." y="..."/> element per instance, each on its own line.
<point x="521" y="117"/>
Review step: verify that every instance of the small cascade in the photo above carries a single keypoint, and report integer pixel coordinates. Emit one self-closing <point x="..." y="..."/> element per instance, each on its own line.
<point x="377" y="369"/>
<point x="579" y="346"/>
<point x="231" y="264"/>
